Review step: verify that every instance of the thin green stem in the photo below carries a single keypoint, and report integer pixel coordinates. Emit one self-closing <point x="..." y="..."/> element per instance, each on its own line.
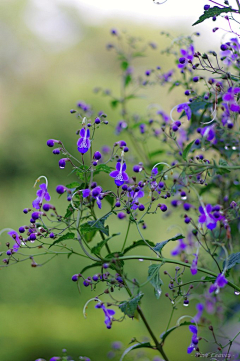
<point x="125" y="240"/>
<point x="170" y="319"/>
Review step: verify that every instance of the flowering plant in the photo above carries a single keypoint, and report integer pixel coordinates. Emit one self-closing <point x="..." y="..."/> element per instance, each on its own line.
<point x="191" y="172"/>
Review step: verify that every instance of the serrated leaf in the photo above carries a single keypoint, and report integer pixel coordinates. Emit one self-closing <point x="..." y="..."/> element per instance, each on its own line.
<point x="233" y="260"/>
<point x="134" y="347"/>
<point x="129" y="307"/>
<point x="97" y="225"/>
<point x="154" y="278"/>
<point x="165" y="334"/>
<point x="137" y="244"/>
<point x="97" y="249"/>
<point x="159" y="246"/>
<point x="68" y="235"/>
<point x="74" y="185"/>
<point x="187" y="150"/>
<point x="102" y="168"/>
<point x="214" y="11"/>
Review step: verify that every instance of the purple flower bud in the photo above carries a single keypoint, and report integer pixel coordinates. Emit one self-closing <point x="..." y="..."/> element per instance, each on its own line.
<point x="187" y="220"/>
<point x="97" y="120"/>
<point x="114" y="32"/>
<point x="206" y="7"/>
<point x="125" y="149"/>
<point x="32" y="220"/>
<point x="121" y="215"/>
<point x="46" y="207"/>
<point x="95" y="278"/>
<point x="174" y="203"/>
<point x="56" y="151"/>
<point x="187" y="92"/>
<point x="21" y="229"/>
<point x="163" y="207"/>
<point x="72" y="111"/>
<point x="214" y="18"/>
<point x="60" y="189"/>
<point x="178" y="123"/>
<point x="197" y="141"/>
<point x="105" y="265"/>
<point x="51" y="142"/>
<point x="94" y="163"/>
<point x="117" y="204"/>
<point x="141" y="207"/>
<point x="137" y="168"/>
<point x="35" y="215"/>
<point x="147" y="72"/>
<point x="33" y="236"/>
<point x="97" y="155"/>
<point x="9" y="252"/>
<point x="122" y="143"/>
<point x="26" y="210"/>
<point x="187" y="206"/>
<point x="75" y="278"/>
<point x="51" y="235"/>
<point x="62" y="163"/>
<point x="86" y="283"/>
<point x="224" y="47"/>
<point x="195" y="79"/>
<point x="175" y="128"/>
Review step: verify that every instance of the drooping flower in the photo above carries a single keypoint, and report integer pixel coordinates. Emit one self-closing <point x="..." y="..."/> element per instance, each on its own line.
<point x="185" y="107"/>
<point x="17" y="240"/>
<point x="206" y="217"/>
<point x="180" y="247"/>
<point x="42" y="194"/>
<point x="193" y="268"/>
<point x="194" y="341"/>
<point x="200" y="308"/>
<point x="119" y="175"/>
<point x="96" y="193"/>
<point x="186" y="55"/>
<point x="84" y="143"/>
<point x="220" y="282"/>
<point x="229" y="97"/>
<point x="209" y="133"/>
<point x="108" y="315"/>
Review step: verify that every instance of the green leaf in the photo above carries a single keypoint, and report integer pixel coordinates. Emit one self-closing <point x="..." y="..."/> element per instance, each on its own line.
<point x="124" y="65"/>
<point x="156" y="152"/>
<point x="165" y="334"/>
<point x="89" y="236"/>
<point x="110" y="200"/>
<point x="68" y="235"/>
<point x="187" y="150"/>
<point x="97" y="249"/>
<point x="154" y="278"/>
<point x="233" y="260"/>
<point x="74" y="185"/>
<point x="97" y="264"/>
<point x="223" y="162"/>
<point x="215" y="11"/>
<point x="97" y="225"/>
<point x="159" y="246"/>
<point x="128" y="80"/>
<point x="136" y="346"/>
<point x="114" y="103"/>
<point x="69" y="212"/>
<point x="129" y="307"/>
<point x="102" y="168"/>
<point x="137" y="244"/>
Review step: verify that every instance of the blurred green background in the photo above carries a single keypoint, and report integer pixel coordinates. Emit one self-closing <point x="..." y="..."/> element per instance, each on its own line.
<point x="43" y="74"/>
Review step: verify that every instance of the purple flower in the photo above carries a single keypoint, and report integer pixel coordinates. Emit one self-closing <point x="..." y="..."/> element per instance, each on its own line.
<point x="185" y="107"/>
<point x="166" y="77"/>
<point x="96" y="193"/>
<point x="206" y="217"/>
<point x="119" y="175"/>
<point x="42" y="193"/>
<point x="51" y="142"/>
<point x="108" y="315"/>
<point x="200" y="308"/>
<point x="121" y="125"/>
<point x="194" y="342"/>
<point x="84" y="143"/>
<point x="193" y="268"/>
<point x="209" y="133"/>
<point x="164" y="116"/>
<point x="220" y="282"/>
<point x="134" y="198"/>
<point x="187" y="55"/>
<point x="229" y="97"/>
<point x="17" y="240"/>
<point x="181" y="247"/>
<point x="121" y="215"/>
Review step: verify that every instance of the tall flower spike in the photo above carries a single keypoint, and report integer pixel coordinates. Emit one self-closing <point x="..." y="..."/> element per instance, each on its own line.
<point x="84" y="143"/>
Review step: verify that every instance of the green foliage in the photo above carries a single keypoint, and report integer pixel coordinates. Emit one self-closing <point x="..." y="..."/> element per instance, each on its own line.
<point x="129" y="307"/>
<point x="102" y="168"/>
<point x="69" y="235"/>
<point x="97" y="225"/>
<point x="159" y="246"/>
<point x="97" y="249"/>
<point x="137" y="244"/>
<point x="165" y="334"/>
<point x="233" y="260"/>
<point x="136" y="346"/>
<point x="214" y="11"/>
<point x="154" y="278"/>
<point x="187" y="150"/>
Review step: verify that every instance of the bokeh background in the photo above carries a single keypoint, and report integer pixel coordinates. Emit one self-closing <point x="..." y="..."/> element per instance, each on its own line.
<point x="52" y="54"/>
